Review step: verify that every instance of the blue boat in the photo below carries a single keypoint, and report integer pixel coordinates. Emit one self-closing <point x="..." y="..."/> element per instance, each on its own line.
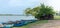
<point x="23" y="22"/>
<point x="8" y="26"/>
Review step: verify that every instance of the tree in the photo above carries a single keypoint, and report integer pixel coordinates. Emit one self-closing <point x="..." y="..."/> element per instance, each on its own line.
<point x="41" y="12"/>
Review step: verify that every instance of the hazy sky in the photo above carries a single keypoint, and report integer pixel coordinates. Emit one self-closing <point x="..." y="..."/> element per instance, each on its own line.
<point x="18" y="6"/>
<point x="55" y="4"/>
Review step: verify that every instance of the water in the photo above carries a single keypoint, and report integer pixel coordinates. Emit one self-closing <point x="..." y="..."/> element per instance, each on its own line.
<point x="14" y="18"/>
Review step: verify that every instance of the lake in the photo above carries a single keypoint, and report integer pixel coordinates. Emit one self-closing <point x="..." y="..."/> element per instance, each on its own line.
<point x="14" y="18"/>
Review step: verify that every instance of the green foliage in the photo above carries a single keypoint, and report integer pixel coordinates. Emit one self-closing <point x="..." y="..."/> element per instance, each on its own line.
<point x="46" y="10"/>
<point x="33" y="11"/>
<point x="40" y="10"/>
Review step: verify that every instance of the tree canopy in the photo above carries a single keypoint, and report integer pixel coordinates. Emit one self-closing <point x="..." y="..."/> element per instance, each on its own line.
<point x="40" y="10"/>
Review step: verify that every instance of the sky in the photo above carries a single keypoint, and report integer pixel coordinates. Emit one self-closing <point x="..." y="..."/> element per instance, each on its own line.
<point x="18" y="6"/>
<point x="55" y="4"/>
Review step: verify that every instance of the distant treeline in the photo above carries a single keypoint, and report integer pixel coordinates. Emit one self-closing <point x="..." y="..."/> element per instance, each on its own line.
<point x="13" y="15"/>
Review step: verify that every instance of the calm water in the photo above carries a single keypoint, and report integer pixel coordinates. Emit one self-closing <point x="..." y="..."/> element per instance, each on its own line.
<point x="14" y="18"/>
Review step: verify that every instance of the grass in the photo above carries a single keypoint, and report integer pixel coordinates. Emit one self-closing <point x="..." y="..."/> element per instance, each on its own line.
<point x="57" y="17"/>
<point x="22" y="27"/>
